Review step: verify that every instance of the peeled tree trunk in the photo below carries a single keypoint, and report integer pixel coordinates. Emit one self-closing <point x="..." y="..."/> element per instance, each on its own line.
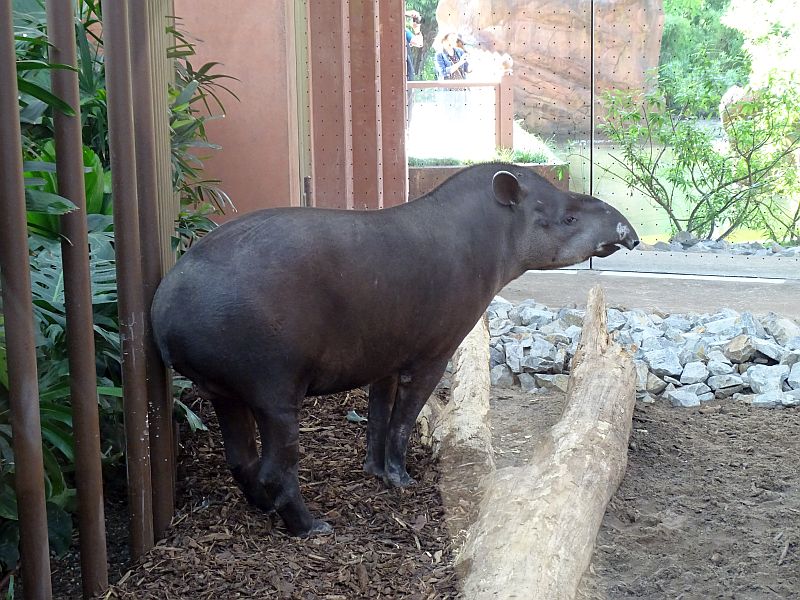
<point x="535" y="533"/>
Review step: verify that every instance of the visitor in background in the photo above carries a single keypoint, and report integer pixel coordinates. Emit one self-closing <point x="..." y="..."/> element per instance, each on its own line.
<point x="414" y="39"/>
<point x="451" y="61"/>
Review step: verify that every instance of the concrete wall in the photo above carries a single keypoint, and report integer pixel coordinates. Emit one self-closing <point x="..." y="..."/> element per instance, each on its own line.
<point x="259" y="161"/>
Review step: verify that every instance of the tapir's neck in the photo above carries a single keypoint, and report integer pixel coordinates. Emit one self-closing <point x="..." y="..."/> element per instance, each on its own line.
<point x="479" y="238"/>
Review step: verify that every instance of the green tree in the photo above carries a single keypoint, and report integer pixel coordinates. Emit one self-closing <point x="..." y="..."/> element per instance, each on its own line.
<point x="701" y="56"/>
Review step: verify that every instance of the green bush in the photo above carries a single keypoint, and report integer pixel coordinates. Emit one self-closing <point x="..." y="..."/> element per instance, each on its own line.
<point x="708" y="185"/>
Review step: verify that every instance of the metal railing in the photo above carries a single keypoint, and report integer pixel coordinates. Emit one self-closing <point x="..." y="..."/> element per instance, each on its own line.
<point x="143" y="213"/>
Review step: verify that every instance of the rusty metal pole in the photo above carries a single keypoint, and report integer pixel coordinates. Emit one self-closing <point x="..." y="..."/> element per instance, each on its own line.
<point x="78" y="299"/>
<point x="129" y="272"/>
<point x="158" y="388"/>
<point x="18" y="318"/>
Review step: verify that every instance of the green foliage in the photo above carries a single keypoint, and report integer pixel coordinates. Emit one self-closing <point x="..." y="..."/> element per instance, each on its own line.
<point x="701" y="56"/>
<point x="747" y="178"/>
<point x="434" y="162"/>
<point x="191" y="99"/>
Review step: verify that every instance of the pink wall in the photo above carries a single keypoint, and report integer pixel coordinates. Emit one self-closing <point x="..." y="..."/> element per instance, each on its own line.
<point x="259" y="161"/>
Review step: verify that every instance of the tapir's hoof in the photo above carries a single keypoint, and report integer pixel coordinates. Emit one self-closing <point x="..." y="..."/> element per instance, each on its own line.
<point x="399" y="480"/>
<point x="374" y="468"/>
<point x="318" y="527"/>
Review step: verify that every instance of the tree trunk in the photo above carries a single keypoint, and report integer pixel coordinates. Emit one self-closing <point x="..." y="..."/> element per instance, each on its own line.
<point x="535" y="533"/>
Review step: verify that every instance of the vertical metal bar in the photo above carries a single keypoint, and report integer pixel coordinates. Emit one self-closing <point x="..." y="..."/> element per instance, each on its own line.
<point x="18" y="318"/>
<point x="591" y="97"/>
<point x="129" y="272"/>
<point x="78" y="295"/>
<point x="161" y="445"/>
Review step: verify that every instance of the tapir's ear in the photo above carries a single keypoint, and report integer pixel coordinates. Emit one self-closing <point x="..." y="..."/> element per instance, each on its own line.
<point x="506" y="188"/>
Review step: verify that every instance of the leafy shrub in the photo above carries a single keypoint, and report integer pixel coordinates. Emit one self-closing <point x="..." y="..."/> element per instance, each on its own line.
<point x="706" y="184"/>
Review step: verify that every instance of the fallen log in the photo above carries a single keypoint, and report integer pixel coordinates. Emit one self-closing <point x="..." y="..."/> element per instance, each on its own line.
<point x="458" y="431"/>
<point x="537" y="525"/>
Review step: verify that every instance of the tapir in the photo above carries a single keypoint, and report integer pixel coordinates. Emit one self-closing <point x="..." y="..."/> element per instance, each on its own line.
<point x="285" y="303"/>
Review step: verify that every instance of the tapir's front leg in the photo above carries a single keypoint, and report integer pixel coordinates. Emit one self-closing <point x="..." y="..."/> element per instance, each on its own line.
<point x="413" y="390"/>
<point x="381" y="400"/>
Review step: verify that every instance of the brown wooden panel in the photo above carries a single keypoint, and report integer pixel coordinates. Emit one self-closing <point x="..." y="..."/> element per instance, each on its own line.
<point x="332" y="150"/>
<point x="393" y="101"/>
<point x="365" y="89"/>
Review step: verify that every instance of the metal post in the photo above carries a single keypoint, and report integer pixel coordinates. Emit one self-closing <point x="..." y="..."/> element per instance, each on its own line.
<point x="18" y="315"/>
<point x="158" y="392"/>
<point x="129" y="272"/>
<point x="78" y="299"/>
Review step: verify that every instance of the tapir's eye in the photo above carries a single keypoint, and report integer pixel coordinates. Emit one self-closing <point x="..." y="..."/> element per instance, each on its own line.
<point x="569" y="220"/>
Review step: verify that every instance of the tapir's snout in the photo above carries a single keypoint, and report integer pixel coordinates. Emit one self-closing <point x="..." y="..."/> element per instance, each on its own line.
<point x="627" y="237"/>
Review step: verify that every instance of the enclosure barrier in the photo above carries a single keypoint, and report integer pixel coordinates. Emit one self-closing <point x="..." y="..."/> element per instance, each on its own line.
<point x="140" y="153"/>
<point x="503" y="103"/>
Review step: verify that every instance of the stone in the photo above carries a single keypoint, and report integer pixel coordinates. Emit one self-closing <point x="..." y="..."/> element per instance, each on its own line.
<point x="769" y="349"/>
<point x="615" y="319"/>
<point x="752" y="326"/>
<point x="683" y="398"/>
<point x="501" y="376"/>
<point x="553" y="382"/>
<point x="697" y="388"/>
<point x="740" y="349"/>
<point x="533" y="363"/>
<point x="728" y="391"/>
<point x="768" y="399"/>
<point x="764" y="378"/>
<point x="791" y="358"/>
<point x="684" y="238"/>
<point x="694" y="372"/>
<point x="655" y="385"/>
<point x="500" y="307"/>
<point x="499" y="326"/>
<point x="717" y="368"/>
<point x="571" y="316"/>
<point x="720" y="382"/>
<point x="514" y="355"/>
<point x="718" y="356"/>
<point x="780" y="328"/>
<point x="646" y="399"/>
<point x="707" y="397"/>
<point x="791" y="398"/>
<point x="496" y="356"/>
<point x="727" y="327"/>
<point x="642" y="373"/>
<point x="527" y="382"/>
<point x="678" y="322"/>
<point x="535" y="316"/>
<point x="664" y="362"/>
<point x="794" y="377"/>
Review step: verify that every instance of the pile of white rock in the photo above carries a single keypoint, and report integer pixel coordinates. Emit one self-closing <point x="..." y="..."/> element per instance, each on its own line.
<point x="684" y="242"/>
<point x="685" y="359"/>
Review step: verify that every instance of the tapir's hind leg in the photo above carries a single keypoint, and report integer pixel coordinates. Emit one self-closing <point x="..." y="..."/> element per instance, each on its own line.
<point x="277" y="417"/>
<point x="413" y="390"/>
<point x="381" y="399"/>
<point x="238" y="429"/>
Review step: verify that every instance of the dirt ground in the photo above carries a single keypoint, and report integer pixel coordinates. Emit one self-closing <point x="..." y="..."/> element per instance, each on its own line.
<point x="709" y="506"/>
<point x="385" y="544"/>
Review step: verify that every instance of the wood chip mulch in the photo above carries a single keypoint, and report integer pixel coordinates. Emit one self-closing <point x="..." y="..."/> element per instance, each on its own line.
<point x="386" y="543"/>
